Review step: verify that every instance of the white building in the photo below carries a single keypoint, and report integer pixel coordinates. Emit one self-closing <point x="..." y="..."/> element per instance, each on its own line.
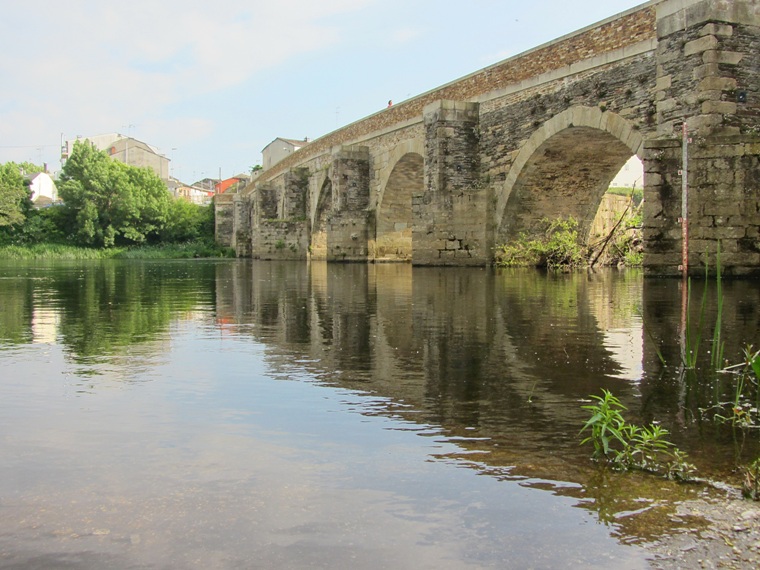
<point x="43" y="189"/>
<point x="632" y="174"/>
<point x="278" y="149"/>
<point x="127" y="150"/>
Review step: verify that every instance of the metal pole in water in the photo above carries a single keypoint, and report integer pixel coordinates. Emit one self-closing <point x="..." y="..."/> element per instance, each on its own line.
<point x="684" y="237"/>
<point x="685" y="201"/>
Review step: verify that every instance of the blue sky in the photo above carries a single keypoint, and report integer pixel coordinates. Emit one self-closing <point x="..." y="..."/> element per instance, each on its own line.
<point x="211" y="83"/>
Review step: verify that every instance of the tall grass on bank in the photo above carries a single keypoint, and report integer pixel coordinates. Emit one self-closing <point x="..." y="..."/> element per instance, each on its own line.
<point x="188" y="250"/>
<point x="54" y="251"/>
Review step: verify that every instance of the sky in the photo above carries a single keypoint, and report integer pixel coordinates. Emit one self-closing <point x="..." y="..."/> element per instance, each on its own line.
<point x="211" y="83"/>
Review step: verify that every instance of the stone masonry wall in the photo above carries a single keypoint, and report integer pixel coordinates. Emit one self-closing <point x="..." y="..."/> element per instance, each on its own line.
<point x="448" y="218"/>
<point x="242" y="225"/>
<point x="224" y="219"/>
<point x="723" y="205"/>
<point x="623" y="88"/>
<point x="281" y="239"/>
<point x="348" y="222"/>
<point x="632" y="28"/>
<point x="545" y="131"/>
<point x="708" y="59"/>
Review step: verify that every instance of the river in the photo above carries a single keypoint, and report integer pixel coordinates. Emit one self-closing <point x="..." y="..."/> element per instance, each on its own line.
<point x="243" y="414"/>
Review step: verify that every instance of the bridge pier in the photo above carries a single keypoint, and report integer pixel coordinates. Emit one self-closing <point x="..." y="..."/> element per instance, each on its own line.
<point x="449" y="216"/>
<point x="348" y="222"/>
<point x="279" y="228"/>
<point x="707" y="59"/>
<point x="240" y="239"/>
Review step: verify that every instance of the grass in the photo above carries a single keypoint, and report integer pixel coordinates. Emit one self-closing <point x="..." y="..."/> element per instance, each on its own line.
<point x="637" y="193"/>
<point x="188" y="250"/>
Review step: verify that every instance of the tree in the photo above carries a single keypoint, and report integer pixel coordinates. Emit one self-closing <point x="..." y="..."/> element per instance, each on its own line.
<point x="14" y="196"/>
<point x="29" y="168"/>
<point x="108" y="201"/>
<point x="188" y="222"/>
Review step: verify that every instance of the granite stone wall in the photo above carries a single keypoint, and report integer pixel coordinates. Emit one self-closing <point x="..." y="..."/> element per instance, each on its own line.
<point x="487" y="158"/>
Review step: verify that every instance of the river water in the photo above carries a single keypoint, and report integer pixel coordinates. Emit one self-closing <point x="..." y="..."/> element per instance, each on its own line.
<point x="239" y="414"/>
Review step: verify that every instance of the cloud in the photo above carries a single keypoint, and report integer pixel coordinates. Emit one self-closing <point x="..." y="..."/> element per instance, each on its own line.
<point x="89" y="67"/>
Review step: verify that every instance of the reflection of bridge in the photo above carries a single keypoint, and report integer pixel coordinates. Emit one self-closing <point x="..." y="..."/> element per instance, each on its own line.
<point x="443" y="177"/>
<point x="460" y="347"/>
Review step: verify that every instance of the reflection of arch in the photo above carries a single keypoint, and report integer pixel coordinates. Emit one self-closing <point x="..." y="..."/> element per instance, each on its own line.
<point x="394" y="210"/>
<point x="319" y="223"/>
<point x="564" y="169"/>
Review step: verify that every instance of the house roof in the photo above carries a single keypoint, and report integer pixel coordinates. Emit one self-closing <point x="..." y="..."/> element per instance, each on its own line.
<point x="294" y="142"/>
<point x="225" y="185"/>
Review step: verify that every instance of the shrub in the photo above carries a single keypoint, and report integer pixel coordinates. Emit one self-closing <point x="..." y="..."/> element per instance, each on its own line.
<point x="558" y="247"/>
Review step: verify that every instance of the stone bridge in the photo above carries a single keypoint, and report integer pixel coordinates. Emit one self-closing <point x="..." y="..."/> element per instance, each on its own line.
<point x="443" y="178"/>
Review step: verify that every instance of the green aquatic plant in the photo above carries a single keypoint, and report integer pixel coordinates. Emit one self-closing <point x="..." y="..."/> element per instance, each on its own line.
<point x="606" y="424"/>
<point x="628" y="446"/>
<point x="743" y="411"/>
<point x="718" y="345"/>
<point x="692" y="337"/>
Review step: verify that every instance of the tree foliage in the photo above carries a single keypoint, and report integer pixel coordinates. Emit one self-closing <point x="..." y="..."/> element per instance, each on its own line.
<point x="188" y="222"/>
<point x="28" y="168"/>
<point x="108" y="202"/>
<point x="14" y="196"/>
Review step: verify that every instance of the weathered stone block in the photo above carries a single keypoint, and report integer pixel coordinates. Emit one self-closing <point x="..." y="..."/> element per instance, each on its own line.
<point x="705" y="122"/>
<point x="723" y="30"/>
<point x="717" y="84"/>
<point x="723" y="107"/>
<point x="706" y="70"/>
<point x="667" y="105"/>
<point x="700" y="45"/>
<point x="663" y="83"/>
<point x="722" y="57"/>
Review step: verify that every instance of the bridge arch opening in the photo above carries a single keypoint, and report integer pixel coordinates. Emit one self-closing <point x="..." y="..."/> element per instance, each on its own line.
<point x="563" y="171"/>
<point x="393" y="237"/>
<point x="318" y="245"/>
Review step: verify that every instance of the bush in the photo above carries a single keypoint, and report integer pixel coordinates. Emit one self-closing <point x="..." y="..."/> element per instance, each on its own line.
<point x="187" y="222"/>
<point x="559" y="247"/>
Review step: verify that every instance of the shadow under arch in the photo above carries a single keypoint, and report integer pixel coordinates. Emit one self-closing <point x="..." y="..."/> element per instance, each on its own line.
<point x="394" y="214"/>
<point x="563" y="170"/>
<point x="318" y="241"/>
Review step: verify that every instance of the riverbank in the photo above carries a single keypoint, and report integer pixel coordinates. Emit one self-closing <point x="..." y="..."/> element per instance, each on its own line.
<point x="187" y="250"/>
<point x="729" y="537"/>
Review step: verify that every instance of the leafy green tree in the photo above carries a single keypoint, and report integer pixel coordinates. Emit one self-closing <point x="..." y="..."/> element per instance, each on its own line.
<point x="30" y="168"/>
<point x="14" y="196"/>
<point x="109" y="202"/>
<point x="188" y="222"/>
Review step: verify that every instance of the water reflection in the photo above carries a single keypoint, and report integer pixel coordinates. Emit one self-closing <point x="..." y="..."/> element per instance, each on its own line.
<point x="484" y="370"/>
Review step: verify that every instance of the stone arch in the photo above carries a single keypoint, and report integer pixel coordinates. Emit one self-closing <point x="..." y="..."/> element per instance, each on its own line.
<point x="394" y="217"/>
<point x="318" y="241"/>
<point x="564" y="169"/>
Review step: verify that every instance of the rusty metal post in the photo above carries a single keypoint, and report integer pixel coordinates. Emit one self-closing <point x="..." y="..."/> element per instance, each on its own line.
<point x="685" y="201"/>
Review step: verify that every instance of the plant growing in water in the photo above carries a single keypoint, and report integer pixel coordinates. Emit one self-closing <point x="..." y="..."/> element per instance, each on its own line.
<point x="606" y="424"/>
<point x="628" y="446"/>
